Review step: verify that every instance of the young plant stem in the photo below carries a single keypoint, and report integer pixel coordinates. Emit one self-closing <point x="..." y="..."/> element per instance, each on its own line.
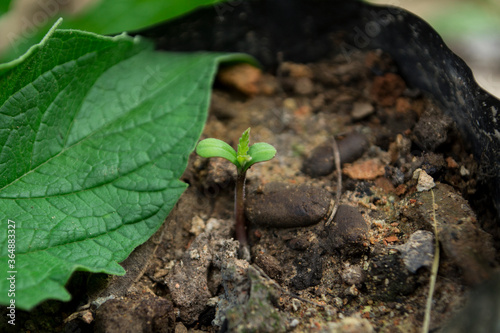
<point x="239" y="210"/>
<point x="338" y="166"/>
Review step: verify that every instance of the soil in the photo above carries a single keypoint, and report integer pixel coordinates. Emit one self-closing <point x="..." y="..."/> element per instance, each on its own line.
<point x="318" y="264"/>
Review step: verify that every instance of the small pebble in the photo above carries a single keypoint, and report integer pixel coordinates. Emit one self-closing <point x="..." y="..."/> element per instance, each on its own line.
<point x="197" y="225"/>
<point x="294" y="323"/>
<point x="352" y="275"/>
<point x="464" y="172"/>
<point x="361" y="110"/>
<point x="321" y="161"/>
<point x="432" y="130"/>
<point x="296" y="305"/>
<point x="347" y="232"/>
<point x="425" y="182"/>
<point x="418" y="251"/>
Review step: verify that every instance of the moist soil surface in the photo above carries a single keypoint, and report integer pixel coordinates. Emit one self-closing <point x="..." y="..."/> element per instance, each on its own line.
<point x="320" y="262"/>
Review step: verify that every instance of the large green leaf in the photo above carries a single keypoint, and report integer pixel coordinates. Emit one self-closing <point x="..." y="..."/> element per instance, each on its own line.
<point x="95" y="133"/>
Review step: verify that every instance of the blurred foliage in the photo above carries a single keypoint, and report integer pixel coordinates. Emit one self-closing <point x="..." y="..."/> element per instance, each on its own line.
<point x="454" y="18"/>
<point x="106" y="17"/>
<point x="467" y="17"/>
<point x="112" y="17"/>
<point x="4" y="6"/>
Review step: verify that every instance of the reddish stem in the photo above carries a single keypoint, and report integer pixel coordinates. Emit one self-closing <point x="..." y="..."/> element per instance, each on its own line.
<point x="239" y="209"/>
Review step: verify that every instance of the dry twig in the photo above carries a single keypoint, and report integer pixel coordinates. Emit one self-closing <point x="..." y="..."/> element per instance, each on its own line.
<point x="434" y="271"/>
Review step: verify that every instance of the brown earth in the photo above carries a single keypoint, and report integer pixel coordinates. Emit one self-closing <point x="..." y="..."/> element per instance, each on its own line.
<point x="366" y="270"/>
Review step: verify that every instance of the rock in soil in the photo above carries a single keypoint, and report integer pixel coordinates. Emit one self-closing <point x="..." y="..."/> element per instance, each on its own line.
<point x="281" y="205"/>
<point x="321" y="162"/>
<point x="463" y="241"/>
<point x="418" y="251"/>
<point x="362" y="110"/>
<point x="432" y="130"/>
<point x="347" y="233"/>
<point x="424" y="181"/>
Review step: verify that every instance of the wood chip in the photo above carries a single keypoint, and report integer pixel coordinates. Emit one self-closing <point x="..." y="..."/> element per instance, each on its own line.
<point x="368" y="170"/>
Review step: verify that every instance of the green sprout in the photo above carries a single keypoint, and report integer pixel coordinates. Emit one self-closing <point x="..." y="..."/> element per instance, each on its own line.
<point x="245" y="156"/>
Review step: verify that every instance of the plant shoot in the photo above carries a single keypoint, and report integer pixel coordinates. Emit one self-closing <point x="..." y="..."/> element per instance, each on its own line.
<point x="243" y="158"/>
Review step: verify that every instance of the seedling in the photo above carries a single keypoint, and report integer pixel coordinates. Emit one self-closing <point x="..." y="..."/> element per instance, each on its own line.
<point x="246" y="156"/>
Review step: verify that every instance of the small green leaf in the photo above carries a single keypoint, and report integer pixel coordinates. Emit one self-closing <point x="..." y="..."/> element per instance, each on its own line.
<point x="243" y="146"/>
<point x="260" y="152"/>
<point x="244" y="143"/>
<point x="216" y="148"/>
<point x="243" y="162"/>
<point x="245" y="157"/>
